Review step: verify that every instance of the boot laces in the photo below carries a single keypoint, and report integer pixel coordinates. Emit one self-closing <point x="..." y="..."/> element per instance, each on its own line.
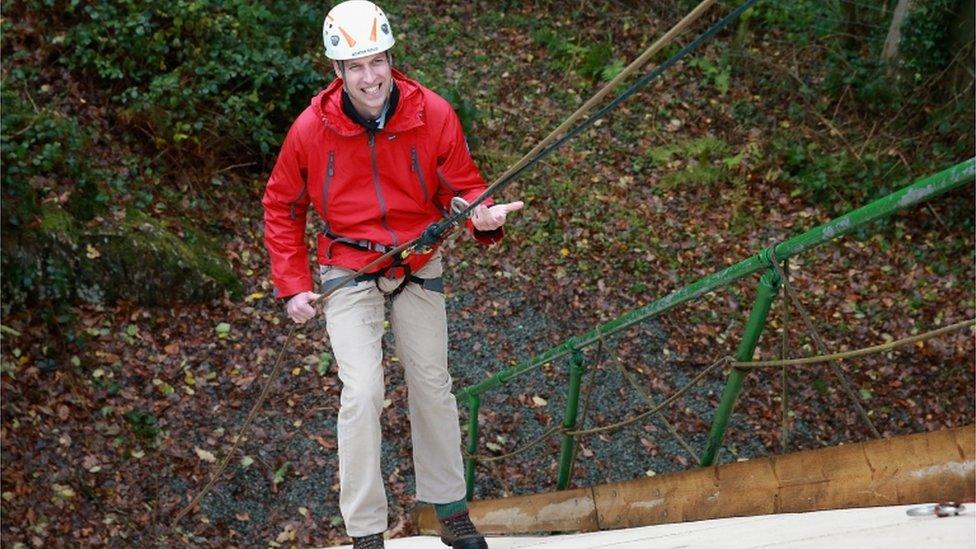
<point x="374" y="541"/>
<point x="461" y="526"/>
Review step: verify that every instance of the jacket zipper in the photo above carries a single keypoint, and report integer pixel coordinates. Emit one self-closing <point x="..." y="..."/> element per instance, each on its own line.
<point x="420" y="174"/>
<point x="379" y="191"/>
<point x="329" y="172"/>
<point x="293" y="205"/>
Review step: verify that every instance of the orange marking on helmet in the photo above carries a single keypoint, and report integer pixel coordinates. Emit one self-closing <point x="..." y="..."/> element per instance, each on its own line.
<point x="372" y="34"/>
<point x="349" y="39"/>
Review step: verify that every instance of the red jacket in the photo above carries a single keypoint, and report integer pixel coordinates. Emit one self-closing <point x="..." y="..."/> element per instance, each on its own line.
<point x="385" y="188"/>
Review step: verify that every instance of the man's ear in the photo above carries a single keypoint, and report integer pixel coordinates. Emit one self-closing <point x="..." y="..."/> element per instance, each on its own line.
<point x="337" y="67"/>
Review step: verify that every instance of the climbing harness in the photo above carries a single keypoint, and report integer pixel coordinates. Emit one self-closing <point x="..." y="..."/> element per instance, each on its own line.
<point x="460" y="211"/>
<point x="432" y="284"/>
<point x="365" y="245"/>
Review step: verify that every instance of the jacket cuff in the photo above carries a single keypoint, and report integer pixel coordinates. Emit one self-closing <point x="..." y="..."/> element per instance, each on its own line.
<point x="290" y="290"/>
<point x="487" y="238"/>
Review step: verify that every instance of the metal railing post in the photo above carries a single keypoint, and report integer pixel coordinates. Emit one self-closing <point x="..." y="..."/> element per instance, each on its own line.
<point x="568" y="452"/>
<point x="768" y="286"/>
<point x="474" y="404"/>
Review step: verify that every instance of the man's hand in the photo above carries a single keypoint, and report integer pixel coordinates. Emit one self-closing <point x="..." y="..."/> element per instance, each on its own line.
<point x="486" y="218"/>
<point x="299" y="307"/>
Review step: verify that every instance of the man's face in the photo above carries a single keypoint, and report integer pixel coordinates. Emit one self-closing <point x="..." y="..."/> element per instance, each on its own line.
<point x="368" y="81"/>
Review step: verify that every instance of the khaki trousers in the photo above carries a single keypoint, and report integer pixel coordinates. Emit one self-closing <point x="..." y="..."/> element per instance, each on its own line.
<point x="354" y="319"/>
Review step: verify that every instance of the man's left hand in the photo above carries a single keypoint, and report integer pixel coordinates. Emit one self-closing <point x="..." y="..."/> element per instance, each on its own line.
<point x="489" y="218"/>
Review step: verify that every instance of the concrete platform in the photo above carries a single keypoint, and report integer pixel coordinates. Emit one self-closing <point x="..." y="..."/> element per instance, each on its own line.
<point x="871" y="527"/>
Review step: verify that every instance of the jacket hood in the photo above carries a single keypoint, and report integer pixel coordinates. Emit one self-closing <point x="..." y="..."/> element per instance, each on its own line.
<point x="327" y="106"/>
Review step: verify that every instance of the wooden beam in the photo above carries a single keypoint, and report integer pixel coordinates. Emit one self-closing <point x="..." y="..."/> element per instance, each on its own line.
<point x="919" y="468"/>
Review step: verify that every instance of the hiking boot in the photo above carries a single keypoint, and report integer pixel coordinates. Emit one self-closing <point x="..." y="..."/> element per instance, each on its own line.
<point x="459" y="532"/>
<point x="372" y="541"/>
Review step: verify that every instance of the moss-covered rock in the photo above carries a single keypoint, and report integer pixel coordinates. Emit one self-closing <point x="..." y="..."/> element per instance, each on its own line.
<point x="139" y="259"/>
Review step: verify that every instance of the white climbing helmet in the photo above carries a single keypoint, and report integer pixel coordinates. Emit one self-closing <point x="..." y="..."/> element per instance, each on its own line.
<point x="356" y="28"/>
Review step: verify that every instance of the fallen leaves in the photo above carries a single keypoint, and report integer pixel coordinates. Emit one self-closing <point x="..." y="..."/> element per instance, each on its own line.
<point x="223" y="330"/>
<point x="205" y="455"/>
<point x="327" y="445"/>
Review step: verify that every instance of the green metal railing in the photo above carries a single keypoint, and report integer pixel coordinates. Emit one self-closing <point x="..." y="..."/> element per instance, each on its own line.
<point x="920" y="191"/>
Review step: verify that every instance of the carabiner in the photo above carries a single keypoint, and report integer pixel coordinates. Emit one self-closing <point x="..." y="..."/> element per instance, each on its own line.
<point x="941" y="510"/>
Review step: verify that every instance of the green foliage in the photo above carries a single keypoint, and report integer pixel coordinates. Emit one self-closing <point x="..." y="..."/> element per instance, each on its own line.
<point x="702" y="149"/>
<point x="800" y="20"/>
<point x="39" y="146"/>
<point x="466" y="110"/>
<point x="325" y="360"/>
<point x="596" y="57"/>
<point x="746" y="112"/>
<point x="594" y="62"/>
<point x="143" y="425"/>
<point x="718" y="74"/>
<point x="865" y="76"/>
<point x="279" y="474"/>
<point x="702" y="161"/>
<point x="204" y="76"/>
<point x="89" y="87"/>
<point x="839" y="180"/>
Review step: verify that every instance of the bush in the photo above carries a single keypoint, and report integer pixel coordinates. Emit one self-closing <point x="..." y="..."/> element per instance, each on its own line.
<point x="124" y="106"/>
<point x="213" y="78"/>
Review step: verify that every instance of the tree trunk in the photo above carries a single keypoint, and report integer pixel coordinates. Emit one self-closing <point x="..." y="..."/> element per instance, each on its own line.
<point x="890" y="51"/>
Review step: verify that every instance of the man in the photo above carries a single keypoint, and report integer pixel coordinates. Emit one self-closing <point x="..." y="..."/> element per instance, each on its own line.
<point x="380" y="158"/>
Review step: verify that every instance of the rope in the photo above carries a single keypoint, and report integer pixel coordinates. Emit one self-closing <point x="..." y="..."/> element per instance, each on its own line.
<point x="240" y="434"/>
<point x="784" y="440"/>
<point x="275" y="370"/>
<point x="855" y="353"/>
<point x="611" y="427"/>
<point x="735" y="364"/>
<point x="647" y="398"/>
<point x="808" y="321"/>
<point x="543" y="149"/>
<point x="514" y="172"/>
<point x="657" y="408"/>
<point x="517" y="451"/>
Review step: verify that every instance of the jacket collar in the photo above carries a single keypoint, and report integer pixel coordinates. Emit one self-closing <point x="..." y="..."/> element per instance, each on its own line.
<point x="389" y="109"/>
<point x="409" y="114"/>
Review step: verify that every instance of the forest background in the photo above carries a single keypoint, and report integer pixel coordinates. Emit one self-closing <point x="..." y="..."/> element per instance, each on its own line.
<point x="138" y="323"/>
